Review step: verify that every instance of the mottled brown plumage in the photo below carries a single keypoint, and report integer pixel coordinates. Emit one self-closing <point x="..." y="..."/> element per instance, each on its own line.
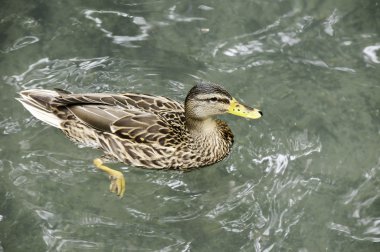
<point x="144" y="130"/>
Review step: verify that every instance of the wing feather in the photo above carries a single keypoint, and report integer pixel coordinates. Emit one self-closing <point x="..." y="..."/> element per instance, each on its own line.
<point x="141" y="118"/>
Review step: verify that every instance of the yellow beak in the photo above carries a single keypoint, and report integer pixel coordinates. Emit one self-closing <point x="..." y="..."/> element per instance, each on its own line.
<point x="239" y="109"/>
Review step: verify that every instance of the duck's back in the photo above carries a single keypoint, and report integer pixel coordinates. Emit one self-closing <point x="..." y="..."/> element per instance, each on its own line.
<point x="138" y="129"/>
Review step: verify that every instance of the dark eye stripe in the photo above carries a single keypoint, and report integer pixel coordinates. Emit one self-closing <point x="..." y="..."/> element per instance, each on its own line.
<point x="224" y="100"/>
<point x="214" y="99"/>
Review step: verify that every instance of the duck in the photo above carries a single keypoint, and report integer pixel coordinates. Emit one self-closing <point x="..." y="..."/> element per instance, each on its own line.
<point x="143" y="130"/>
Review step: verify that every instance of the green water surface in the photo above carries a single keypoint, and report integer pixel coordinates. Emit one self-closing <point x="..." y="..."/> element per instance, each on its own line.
<point x="305" y="177"/>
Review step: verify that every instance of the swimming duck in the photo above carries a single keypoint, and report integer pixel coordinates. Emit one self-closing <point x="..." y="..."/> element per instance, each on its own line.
<point x="143" y="130"/>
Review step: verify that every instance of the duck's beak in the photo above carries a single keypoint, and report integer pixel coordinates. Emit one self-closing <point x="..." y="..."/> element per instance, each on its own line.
<point x="239" y="109"/>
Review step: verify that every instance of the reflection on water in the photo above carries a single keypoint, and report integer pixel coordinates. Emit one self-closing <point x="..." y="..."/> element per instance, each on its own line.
<point x="304" y="178"/>
<point x="21" y="42"/>
<point x="118" y="39"/>
<point x="361" y="205"/>
<point x="370" y="54"/>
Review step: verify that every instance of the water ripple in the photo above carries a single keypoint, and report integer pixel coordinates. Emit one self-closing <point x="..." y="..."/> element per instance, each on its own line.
<point x="55" y="241"/>
<point x="263" y="46"/>
<point x="124" y="40"/>
<point x="370" y="54"/>
<point x="298" y="146"/>
<point x="175" y="182"/>
<point x="361" y="203"/>
<point x="278" y="191"/>
<point x="181" y="216"/>
<point x="76" y="73"/>
<point x="20" y="43"/>
<point x="249" y="50"/>
<point x="238" y="195"/>
<point x="89" y="219"/>
<point x="269" y="208"/>
<point x="52" y="72"/>
<point x="9" y="126"/>
<point x="179" y="18"/>
<point x="330" y="22"/>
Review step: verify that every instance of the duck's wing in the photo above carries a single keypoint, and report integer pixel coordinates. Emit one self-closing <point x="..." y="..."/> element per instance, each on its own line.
<point x="139" y="118"/>
<point x="152" y="102"/>
<point x="141" y="102"/>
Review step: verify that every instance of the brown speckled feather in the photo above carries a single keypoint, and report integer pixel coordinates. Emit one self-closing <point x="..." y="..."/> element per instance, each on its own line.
<point x="141" y="130"/>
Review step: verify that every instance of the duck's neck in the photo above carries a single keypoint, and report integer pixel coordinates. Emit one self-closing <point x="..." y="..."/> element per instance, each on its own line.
<point x="210" y="131"/>
<point x="206" y="127"/>
<point x="212" y="139"/>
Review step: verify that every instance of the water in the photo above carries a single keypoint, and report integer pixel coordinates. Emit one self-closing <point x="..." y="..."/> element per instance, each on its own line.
<point x="303" y="178"/>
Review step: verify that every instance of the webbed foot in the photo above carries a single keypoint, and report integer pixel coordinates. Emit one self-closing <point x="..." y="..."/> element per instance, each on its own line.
<point x="117" y="178"/>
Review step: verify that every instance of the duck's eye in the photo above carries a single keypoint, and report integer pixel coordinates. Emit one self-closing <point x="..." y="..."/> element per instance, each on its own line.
<point x="213" y="99"/>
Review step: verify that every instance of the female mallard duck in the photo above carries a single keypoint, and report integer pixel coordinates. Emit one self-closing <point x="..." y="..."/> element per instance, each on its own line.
<point x="143" y="130"/>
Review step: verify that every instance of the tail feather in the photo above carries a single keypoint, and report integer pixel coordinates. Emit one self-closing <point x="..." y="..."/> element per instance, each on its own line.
<point x="37" y="102"/>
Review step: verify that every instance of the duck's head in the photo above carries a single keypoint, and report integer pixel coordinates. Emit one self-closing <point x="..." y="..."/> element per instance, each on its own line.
<point x="206" y="99"/>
